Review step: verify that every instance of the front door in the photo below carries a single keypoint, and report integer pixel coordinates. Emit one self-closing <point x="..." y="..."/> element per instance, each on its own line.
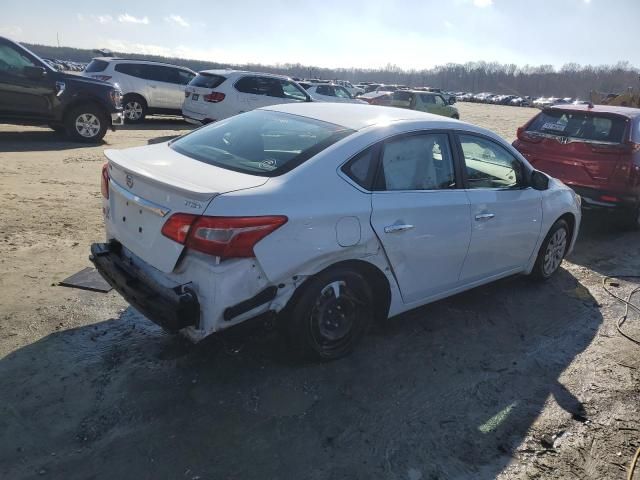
<point x="420" y="215"/>
<point x="506" y="215"/>
<point x="21" y="95"/>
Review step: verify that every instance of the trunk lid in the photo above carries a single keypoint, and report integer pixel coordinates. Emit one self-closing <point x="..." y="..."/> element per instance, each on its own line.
<point x="149" y="184"/>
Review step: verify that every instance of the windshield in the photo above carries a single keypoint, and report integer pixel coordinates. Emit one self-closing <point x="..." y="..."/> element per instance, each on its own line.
<point x="260" y="142"/>
<point x="96" y="66"/>
<point x="207" y="80"/>
<point x="581" y="125"/>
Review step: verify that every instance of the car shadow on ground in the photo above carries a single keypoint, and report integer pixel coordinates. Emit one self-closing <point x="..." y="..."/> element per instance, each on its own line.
<point x="159" y="123"/>
<point x="39" y="141"/>
<point x="447" y="391"/>
<point x="605" y="246"/>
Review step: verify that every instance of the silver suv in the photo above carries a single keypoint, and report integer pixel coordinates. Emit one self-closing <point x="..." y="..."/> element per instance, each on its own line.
<point x="148" y="87"/>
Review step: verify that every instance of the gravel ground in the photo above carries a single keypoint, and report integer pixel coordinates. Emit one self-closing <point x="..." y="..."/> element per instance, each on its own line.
<point x="515" y="380"/>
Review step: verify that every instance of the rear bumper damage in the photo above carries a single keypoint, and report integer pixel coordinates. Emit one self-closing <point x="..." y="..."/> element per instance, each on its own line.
<point x="171" y="308"/>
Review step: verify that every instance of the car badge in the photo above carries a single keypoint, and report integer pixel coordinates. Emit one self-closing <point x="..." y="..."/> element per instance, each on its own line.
<point x="129" y="179"/>
<point x="563" y="140"/>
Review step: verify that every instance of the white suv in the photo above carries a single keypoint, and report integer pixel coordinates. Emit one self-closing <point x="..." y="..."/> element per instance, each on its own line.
<point x="148" y="87"/>
<point x="217" y="94"/>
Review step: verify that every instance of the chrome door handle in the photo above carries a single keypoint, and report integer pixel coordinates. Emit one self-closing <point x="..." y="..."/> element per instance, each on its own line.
<point x="484" y="216"/>
<point x="397" y="228"/>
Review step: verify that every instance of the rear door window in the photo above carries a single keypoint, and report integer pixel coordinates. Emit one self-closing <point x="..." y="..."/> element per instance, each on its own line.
<point x="260" y="86"/>
<point x="580" y="125"/>
<point x="133" y="69"/>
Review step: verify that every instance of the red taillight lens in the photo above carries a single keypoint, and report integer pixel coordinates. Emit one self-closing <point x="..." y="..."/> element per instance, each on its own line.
<point x="527" y="137"/>
<point x="609" y="198"/>
<point x="225" y="237"/>
<point x="214" y="97"/>
<point x="104" y="183"/>
<point x="178" y="226"/>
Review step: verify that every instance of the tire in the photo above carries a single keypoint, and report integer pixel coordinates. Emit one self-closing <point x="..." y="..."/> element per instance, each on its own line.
<point x="86" y="123"/>
<point x="134" y="108"/>
<point x="552" y="251"/>
<point x="321" y="326"/>
<point x="456" y="117"/>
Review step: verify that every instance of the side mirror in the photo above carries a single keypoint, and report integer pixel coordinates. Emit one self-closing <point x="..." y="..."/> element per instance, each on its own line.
<point x="309" y="99"/>
<point x="539" y="181"/>
<point x="33" y="73"/>
<point x="452" y="100"/>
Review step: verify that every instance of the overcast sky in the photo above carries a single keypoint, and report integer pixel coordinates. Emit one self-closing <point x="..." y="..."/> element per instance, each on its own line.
<point x="340" y="33"/>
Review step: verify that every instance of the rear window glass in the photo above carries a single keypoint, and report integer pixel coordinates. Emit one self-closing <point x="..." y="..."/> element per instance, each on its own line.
<point x="96" y="66"/>
<point x="581" y="125"/>
<point x="402" y="95"/>
<point x="260" y="142"/>
<point x="207" y="80"/>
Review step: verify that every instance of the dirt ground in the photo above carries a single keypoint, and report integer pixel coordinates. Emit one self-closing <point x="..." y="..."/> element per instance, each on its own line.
<point x="515" y="380"/>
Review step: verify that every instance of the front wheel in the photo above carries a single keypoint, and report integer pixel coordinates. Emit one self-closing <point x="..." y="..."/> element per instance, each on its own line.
<point x="552" y="251"/>
<point x="330" y="314"/>
<point x="86" y="123"/>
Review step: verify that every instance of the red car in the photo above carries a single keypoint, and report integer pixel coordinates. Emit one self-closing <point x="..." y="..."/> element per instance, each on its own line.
<point x="593" y="149"/>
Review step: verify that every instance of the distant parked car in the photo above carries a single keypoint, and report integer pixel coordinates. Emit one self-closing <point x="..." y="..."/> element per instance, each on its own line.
<point x="327" y="92"/>
<point x="326" y="217"/>
<point x="353" y="90"/>
<point x="429" y="102"/>
<point x="34" y="93"/>
<point x="521" y="101"/>
<point x="148" y="87"/>
<point x="593" y="149"/>
<point x="216" y="94"/>
<point x="377" y="98"/>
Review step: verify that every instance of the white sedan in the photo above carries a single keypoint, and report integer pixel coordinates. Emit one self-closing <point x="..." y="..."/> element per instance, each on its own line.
<point x="324" y="216"/>
<point x="328" y="92"/>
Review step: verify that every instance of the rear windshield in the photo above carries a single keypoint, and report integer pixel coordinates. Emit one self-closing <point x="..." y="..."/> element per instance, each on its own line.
<point x="96" y="66"/>
<point x="207" y="80"/>
<point x="260" y="142"/>
<point x="582" y="125"/>
<point x="402" y="95"/>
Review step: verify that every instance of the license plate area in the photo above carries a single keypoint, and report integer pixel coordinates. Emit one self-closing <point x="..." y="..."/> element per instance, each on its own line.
<point x="133" y="221"/>
<point x="195" y="96"/>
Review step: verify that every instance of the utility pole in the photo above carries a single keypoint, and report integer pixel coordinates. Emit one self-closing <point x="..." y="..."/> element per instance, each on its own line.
<point x="58" y="39"/>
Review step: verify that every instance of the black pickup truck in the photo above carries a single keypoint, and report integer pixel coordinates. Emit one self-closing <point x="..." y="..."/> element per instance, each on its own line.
<point x="33" y="93"/>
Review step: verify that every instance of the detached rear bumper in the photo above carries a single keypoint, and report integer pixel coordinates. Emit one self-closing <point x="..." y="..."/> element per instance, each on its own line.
<point x="171" y="308"/>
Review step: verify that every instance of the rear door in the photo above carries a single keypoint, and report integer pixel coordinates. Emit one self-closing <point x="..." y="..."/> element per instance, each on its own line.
<point x="419" y="214"/>
<point x="580" y="148"/>
<point x="20" y="95"/>
<point x="505" y="214"/>
<point x="176" y="82"/>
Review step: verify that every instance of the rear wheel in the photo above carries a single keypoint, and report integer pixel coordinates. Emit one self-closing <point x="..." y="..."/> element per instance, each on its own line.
<point x="552" y="251"/>
<point x="86" y="123"/>
<point x="134" y="109"/>
<point x="331" y="313"/>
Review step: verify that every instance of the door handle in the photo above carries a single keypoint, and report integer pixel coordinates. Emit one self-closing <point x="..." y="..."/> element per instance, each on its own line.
<point x="397" y="228"/>
<point x="153" y="86"/>
<point x="484" y="216"/>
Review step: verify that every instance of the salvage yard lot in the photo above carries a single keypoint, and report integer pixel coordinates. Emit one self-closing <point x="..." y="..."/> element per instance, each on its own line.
<point x="512" y="380"/>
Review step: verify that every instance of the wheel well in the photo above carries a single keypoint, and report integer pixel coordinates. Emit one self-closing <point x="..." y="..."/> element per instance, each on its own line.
<point x="137" y="95"/>
<point x="571" y="222"/>
<point x="81" y="102"/>
<point x="376" y="280"/>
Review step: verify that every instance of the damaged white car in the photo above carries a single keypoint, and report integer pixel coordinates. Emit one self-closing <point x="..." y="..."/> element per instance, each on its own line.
<point x="327" y="216"/>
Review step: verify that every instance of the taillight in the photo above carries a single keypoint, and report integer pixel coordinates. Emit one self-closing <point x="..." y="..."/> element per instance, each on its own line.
<point x="225" y="237"/>
<point x="214" y="97"/>
<point x="104" y="78"/>
<point x="527" y="137"/>
<point x="104" y="183"/>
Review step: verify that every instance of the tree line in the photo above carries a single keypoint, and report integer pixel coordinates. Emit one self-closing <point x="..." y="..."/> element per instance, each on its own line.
<point x="571" y="80"/>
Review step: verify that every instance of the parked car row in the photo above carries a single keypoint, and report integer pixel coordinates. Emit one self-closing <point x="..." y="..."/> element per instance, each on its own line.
<point x="65" y="65"/>
<point x="516" y="100"/>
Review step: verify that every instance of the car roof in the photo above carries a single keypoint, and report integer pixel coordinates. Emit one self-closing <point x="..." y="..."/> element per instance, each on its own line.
<point x="139" y="60"/>
<point x="230" y="71"/>
<point x="624" y="111"/>
<point x="354" y="116"/>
